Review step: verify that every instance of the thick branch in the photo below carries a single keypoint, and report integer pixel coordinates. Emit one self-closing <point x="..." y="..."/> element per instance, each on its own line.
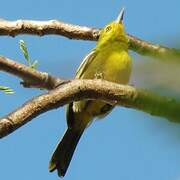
<point x="91" y="89"/>
<point x="30" y="76"/>
<point x="13" y="28"/>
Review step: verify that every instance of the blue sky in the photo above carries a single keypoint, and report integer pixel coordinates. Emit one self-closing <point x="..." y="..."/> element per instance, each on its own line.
<point x="127" y="144"/>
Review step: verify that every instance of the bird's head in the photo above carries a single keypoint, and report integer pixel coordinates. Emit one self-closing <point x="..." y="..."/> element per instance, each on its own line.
<point x="114" y="31"/>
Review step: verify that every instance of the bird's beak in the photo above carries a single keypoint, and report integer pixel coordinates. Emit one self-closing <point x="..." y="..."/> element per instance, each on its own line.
<point x="120" y="16"/>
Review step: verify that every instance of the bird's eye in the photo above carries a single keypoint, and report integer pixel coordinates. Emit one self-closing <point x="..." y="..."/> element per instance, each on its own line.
<point x="108" y="28"/>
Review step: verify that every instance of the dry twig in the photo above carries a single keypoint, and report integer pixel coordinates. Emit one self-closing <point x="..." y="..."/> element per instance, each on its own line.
<point x="30" y="76"/>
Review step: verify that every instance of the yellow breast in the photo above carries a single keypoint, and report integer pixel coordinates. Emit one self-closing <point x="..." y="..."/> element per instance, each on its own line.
<point x="114" y="66"/>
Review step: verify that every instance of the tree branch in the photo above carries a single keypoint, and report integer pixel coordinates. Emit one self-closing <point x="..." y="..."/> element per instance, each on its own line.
<point x="91" y="89"/>
<point x="79" y="89"/>
<point x="55" y="27"/>
<point x="30" y="76"/>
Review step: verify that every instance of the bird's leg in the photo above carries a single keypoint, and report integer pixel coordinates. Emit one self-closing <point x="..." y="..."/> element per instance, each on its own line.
<point x="98" y="75"/>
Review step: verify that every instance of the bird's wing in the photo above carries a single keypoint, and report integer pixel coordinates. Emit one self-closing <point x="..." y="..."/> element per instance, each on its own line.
<point x="85" y="63"/>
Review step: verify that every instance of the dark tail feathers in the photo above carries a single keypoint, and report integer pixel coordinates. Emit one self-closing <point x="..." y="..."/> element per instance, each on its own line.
<point x="64" y="151"/>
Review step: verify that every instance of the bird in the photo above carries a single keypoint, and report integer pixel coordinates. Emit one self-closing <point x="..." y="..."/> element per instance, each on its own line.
<point x="110" y="61"/>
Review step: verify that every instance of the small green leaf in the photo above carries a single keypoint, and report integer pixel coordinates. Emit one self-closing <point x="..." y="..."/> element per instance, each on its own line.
<point x="6" y="90"/>
<point x="34" y="64"/>
<point x="24" y="50"/>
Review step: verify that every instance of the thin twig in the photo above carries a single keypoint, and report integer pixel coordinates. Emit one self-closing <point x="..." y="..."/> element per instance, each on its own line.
<point x="30" y="76"/>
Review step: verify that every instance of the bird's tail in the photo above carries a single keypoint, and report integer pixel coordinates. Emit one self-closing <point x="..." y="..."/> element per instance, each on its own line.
<point x="64" y="151"/>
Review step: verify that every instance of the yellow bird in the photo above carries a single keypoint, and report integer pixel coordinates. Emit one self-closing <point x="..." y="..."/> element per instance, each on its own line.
<point x="109" y="60"/>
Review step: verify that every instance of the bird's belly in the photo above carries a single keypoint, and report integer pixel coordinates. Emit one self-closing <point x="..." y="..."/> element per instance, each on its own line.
<point x="115" y="68"/>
